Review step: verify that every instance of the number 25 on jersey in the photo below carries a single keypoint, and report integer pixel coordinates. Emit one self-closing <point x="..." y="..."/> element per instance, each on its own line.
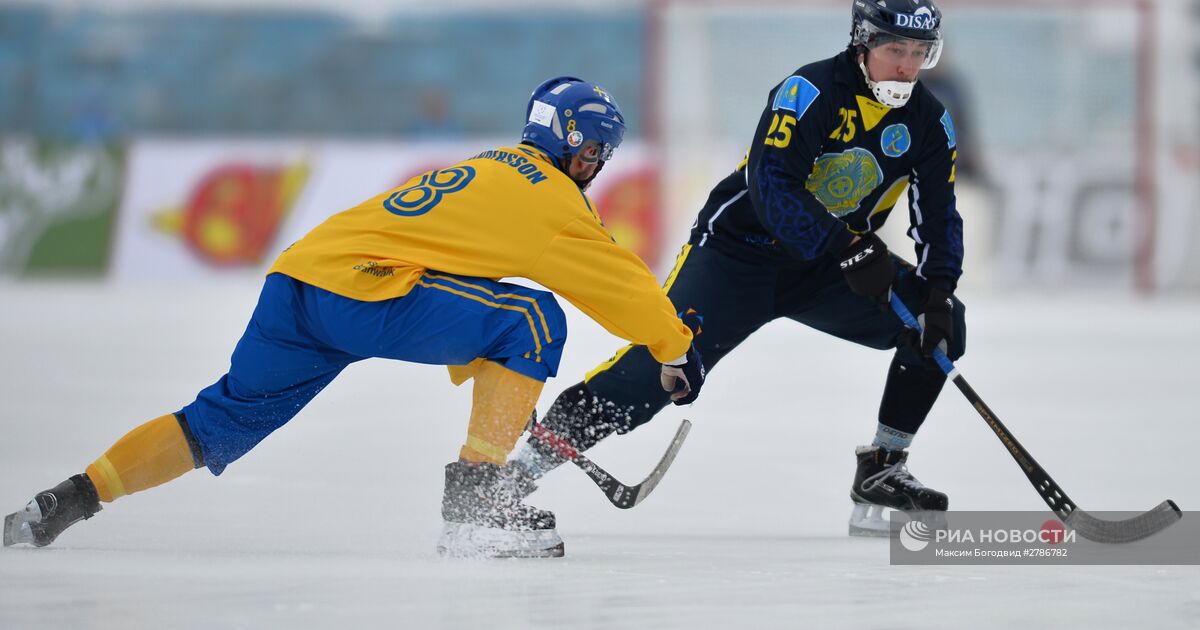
<point x="780" y="133"/>
<point x="846" y="129"/>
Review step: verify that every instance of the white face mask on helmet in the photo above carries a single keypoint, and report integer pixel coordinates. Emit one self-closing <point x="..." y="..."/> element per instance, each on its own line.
<point x="891" y="93"/>
<point x="878" y="23"/>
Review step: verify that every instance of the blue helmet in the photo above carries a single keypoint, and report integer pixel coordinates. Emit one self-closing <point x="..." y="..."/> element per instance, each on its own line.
<point x="567" y="115"/>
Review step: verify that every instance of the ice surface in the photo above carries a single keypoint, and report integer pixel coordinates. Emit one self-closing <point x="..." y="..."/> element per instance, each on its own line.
<point x="332" y="521"/>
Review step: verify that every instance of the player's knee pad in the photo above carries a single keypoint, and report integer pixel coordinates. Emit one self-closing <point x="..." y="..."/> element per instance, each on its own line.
<point x="909" y="394"/>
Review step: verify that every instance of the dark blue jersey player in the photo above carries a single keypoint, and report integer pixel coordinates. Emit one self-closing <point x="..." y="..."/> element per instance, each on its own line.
<point x="791" y="233"/>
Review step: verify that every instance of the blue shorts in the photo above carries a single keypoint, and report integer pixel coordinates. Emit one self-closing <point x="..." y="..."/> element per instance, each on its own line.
<point x="301" y="337"/>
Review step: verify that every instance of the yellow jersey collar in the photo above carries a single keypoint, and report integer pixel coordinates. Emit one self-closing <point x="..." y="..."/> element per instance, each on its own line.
<point x="537" y="152"/>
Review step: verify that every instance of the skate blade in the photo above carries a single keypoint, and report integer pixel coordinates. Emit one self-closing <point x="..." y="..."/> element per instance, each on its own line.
<point x="463" y="540"/>
<point x="16" y="525"/>
<point x="868" y="520"/>
<point x="872" y="520"/>
<point x="16" y="530"/>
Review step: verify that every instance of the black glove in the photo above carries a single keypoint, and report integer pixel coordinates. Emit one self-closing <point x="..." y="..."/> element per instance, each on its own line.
<point x="937" y="322"/>
<point x="684" y="377"/>
<point x="869" y="269"/>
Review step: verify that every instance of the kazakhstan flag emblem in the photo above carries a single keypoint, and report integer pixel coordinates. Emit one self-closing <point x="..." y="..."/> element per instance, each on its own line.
<point x="840" y="181"/>
<point x="795" y="95"/>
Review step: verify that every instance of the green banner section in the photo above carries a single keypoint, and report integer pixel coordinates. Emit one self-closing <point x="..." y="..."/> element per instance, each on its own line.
<point x="58" y="204"/>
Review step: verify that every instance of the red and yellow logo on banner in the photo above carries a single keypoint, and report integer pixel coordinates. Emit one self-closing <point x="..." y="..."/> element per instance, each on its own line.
<point x="628" y="205"/>
<point x="233" y="214"/>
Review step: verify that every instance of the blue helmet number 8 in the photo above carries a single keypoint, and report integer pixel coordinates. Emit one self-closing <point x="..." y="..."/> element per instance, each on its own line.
<point x="427" y="193"/>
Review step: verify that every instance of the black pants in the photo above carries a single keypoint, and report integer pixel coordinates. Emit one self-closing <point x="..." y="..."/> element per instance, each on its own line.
<point x="736" y="298"/>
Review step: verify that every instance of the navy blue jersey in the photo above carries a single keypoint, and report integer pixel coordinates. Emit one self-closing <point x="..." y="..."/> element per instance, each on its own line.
<point x="827" y="162"/>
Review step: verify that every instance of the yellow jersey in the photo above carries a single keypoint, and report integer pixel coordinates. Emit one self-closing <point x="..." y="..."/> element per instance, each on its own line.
<point x="507" y="212"/>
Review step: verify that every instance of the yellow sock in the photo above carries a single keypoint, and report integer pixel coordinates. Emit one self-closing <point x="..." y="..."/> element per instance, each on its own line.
<point x="147" y="456"/>
<point x="460" y="374"/>
<point x="501" y="403"/>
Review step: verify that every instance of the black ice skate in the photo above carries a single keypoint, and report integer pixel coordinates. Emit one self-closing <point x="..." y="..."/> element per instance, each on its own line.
<point x="516" y="480"/>
<point x="882" y="481"/>
<point x="51" y="512"/>
<point x="485" y="517"/>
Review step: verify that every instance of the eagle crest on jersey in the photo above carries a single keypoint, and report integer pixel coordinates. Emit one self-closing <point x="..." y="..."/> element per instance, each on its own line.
<point x="840" y="181"/>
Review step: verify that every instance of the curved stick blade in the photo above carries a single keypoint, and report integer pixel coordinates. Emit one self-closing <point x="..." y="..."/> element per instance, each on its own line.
<point x="624" y="496"/>
<point x="651" y="481"/>
<point x="1141" y="526"/>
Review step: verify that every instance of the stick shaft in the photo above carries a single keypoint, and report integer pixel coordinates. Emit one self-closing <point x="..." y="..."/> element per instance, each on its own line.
<point x="1096" y="529"/>
<point x="1047" y="488"/>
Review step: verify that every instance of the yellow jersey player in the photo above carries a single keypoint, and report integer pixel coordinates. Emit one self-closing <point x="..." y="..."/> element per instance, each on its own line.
<point x="411" y="274"/>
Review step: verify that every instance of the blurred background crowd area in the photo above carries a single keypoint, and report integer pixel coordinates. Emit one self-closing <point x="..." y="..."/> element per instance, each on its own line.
<point x="194" y="139"/>
<point x="90" y="73"/>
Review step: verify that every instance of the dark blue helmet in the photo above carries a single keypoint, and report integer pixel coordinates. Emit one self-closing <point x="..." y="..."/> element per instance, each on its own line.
<point x="876" y="22"/>
<point x="567" y="116"/>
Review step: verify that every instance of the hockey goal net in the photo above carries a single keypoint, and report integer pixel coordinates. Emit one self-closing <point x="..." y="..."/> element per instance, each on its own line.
<point x="1076" y="123"/>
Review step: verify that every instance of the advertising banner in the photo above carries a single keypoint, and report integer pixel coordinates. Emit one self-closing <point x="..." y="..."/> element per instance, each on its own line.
<point x="197" y="209"/>
<point x="57" y="203"/>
